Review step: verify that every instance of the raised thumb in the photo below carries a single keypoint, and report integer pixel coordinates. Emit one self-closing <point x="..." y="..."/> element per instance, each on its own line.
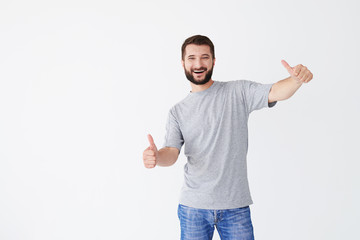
<point x="151" y="141"/>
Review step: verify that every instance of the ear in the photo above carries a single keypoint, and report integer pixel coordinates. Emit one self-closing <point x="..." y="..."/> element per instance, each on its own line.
<point x="182" y="63"/>
<point x="214" y="61"/>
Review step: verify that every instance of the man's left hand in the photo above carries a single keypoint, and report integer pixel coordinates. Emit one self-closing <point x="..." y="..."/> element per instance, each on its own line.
<point x="299" y="73"/>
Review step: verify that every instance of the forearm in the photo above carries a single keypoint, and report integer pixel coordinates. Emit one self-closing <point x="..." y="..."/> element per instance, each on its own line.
<point x="284" y="89"/>
<point x="167" y="156"/>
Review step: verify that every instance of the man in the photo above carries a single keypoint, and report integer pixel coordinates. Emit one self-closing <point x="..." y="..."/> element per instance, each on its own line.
<point x="212" y="122"/>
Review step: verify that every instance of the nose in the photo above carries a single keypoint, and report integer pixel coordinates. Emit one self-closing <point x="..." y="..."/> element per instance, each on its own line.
<point x="197" y="63"/>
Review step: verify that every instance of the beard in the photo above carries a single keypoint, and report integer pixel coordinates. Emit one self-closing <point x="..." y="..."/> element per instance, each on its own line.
<point x="190" y="77"/>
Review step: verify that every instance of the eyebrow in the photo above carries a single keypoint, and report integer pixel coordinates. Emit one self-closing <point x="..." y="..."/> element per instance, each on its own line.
<point x="205" y="54"/>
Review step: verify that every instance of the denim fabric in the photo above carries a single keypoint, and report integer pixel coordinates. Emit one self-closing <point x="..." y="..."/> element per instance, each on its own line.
<point x="231" y="224"/>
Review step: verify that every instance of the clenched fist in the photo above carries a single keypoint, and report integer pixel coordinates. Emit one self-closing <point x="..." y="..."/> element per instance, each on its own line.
<point x="150" y="154"/>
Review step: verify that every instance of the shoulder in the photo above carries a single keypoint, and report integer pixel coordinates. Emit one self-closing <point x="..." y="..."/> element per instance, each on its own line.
<point x="236" y="84"/>
<point x="176" y="108"/>
<point x="180" y="102"/>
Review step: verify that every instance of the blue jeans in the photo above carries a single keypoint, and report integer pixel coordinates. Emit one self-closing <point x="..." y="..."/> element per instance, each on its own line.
<point x="198" y="224"/>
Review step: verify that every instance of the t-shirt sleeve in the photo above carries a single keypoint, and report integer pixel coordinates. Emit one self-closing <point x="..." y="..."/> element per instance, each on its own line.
<point x="256" y="95"/>
<point x="173" y="135"/>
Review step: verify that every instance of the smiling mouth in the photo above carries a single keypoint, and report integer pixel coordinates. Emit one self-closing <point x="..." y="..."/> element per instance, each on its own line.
<point x="199" y="71"/>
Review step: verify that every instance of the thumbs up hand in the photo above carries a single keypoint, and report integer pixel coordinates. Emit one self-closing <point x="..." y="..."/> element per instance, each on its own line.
<point x="299" y="73"/>
<point x="150" y="154"/>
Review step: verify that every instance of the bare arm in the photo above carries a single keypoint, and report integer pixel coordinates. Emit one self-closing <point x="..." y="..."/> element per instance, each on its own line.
<point x="167" y="156"/>
<point x="164" y="157"/>
<point x="285" y="88"/>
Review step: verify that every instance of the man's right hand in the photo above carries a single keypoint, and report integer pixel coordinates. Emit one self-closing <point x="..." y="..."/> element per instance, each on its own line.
<point x="150" y="154"/>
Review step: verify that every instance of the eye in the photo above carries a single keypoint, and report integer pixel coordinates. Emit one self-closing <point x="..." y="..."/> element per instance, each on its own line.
<point x="206" y="57"/>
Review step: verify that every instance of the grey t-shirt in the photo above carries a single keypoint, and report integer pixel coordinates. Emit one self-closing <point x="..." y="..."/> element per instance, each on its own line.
<point x="213" y="124"/>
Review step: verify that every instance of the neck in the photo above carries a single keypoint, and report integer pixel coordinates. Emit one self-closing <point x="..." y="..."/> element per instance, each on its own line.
<point x="199" y="88"/>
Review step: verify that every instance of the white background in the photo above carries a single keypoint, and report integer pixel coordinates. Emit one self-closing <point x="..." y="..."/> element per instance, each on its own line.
<point x="83" y="82"/>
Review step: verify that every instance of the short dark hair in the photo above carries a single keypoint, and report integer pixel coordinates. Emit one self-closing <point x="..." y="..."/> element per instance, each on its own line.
<point x="198" y="40"/>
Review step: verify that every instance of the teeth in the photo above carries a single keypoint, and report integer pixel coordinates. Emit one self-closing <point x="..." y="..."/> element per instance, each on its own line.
<point x="199" y="71"/>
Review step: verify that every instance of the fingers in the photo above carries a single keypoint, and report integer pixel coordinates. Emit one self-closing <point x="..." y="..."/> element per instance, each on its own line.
<point x="302" y="73"/>
<point x="310" y="76"/>
<point x="148" y="153"/>
<point x="287" y="66"/>
<point x="150" y="162"/>
<point x="150" y="165"/>
<point x="149" y="158"/>
<point x="151" y="141"/>
<point x="305" y="77"/>
<point x="297" y="70"/>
